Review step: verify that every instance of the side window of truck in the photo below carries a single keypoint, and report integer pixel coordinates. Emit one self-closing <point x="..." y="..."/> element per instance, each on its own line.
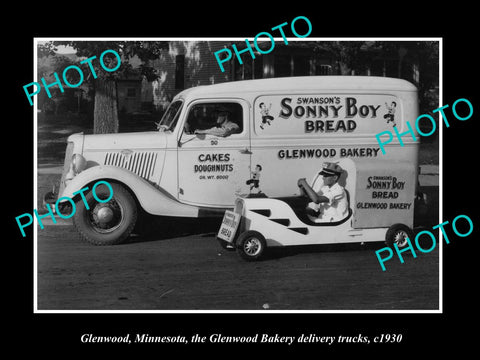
<point x="203" y="117"/>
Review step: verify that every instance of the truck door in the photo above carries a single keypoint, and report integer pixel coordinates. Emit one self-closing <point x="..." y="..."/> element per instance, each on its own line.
<point x="214" y="169"/>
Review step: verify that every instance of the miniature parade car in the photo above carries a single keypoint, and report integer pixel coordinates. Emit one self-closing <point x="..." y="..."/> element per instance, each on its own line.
<point x="256" y="224"/>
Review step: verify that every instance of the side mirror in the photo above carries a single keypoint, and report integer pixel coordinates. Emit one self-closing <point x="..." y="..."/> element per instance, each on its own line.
<point x="194" y="136"/>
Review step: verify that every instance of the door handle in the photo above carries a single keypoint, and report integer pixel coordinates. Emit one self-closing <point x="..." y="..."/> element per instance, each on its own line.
<point x="245" y="151"/>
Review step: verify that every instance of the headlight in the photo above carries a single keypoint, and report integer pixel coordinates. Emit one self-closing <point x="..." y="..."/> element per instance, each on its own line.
<point x="78" y="163"/>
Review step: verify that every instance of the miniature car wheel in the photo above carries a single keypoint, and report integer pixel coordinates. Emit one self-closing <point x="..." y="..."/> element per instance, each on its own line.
<point x="106" y="223"/>
<point x="251" y="245"/>
<point x="398" y="234"/>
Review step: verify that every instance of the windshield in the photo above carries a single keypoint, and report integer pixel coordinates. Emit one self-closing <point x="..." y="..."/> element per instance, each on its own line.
<point x="170" y="117"/>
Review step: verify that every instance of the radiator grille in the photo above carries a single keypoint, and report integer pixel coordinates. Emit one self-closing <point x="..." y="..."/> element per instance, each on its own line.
<point x="141" y="163"/>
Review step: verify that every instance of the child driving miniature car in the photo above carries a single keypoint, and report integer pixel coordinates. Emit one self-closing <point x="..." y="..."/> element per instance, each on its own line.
<point x="330" y="203"/>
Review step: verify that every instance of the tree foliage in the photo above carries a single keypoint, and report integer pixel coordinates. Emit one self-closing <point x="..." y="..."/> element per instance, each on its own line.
<point x="46" y="49"/>
<point x="105" y="117"/>
<point x="144" y="50"/>
<point x="356" y="57"/>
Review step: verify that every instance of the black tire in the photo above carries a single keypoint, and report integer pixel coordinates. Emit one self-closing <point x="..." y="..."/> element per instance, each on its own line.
<point x="251" y="245"/>
<point x="397" y="234"/>
<point x="106" y="223"/>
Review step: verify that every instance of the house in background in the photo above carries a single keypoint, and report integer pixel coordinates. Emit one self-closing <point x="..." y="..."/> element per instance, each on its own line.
<point x="308" y="58"/>
<point x="192" y="63"/>
<point x="294" y="59"/>
<point x="129" y="90"/>
<point x="185" y="64"/>
<point x="188" y="64"/>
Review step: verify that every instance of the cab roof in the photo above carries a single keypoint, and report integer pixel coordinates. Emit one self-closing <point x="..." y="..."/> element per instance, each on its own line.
<point x="300" y="84"/>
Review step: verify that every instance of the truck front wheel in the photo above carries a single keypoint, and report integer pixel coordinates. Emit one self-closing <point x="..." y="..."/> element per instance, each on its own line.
<point x="106" y="223"/>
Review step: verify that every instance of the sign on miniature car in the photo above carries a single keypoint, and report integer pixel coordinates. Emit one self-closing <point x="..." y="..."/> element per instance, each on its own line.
<point x="229" y="226"/>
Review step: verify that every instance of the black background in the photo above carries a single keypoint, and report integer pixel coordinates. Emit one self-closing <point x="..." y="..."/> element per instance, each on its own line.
<point x="58" y="335"/>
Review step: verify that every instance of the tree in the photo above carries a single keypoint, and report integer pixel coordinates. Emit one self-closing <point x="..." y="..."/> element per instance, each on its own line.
<point x="55" y="63"/>
<point x="46" y="49"/>
<point x="105" y="115"/>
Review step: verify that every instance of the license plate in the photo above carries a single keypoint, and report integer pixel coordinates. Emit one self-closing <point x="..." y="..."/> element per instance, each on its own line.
<point x="229" y="226"/>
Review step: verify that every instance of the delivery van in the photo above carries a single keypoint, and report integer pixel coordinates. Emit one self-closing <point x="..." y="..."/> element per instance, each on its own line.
<point x="250" y="139"/>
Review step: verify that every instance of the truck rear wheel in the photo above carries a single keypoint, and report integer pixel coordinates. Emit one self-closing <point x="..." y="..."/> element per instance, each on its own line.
<point x="106" y="223"/>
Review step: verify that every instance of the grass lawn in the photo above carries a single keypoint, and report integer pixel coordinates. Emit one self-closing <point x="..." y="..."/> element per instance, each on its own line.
<point x="52" y="134"/>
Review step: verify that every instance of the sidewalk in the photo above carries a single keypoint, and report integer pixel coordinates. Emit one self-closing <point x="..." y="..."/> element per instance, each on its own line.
<point x="47" y="169"/>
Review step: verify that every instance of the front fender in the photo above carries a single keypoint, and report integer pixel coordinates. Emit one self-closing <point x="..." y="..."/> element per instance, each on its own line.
<point x="153" y="200"/>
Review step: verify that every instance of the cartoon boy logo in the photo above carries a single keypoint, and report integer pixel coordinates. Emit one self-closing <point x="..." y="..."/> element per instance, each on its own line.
<point x="390" y="115"/>
<point x="254" y="181"/>
<point x="266" y="117"/>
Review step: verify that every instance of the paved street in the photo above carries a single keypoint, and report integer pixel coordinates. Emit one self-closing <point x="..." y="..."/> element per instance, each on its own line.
<point x="191" y="271"/>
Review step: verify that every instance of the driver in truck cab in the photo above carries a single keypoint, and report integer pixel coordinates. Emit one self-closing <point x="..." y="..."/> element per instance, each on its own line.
<point x="225" y="127"/>
<point x="330" y="203"/>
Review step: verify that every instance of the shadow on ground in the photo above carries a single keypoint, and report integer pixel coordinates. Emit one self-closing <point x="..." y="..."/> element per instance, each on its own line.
<point x="154" y="228"/>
